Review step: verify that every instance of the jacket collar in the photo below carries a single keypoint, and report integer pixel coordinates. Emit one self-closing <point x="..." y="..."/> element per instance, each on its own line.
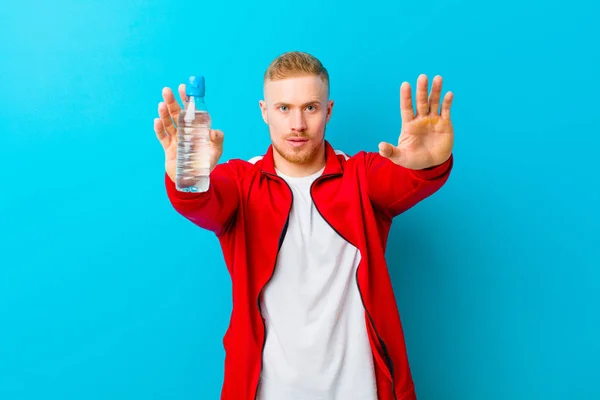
<point x="333" y="165"/>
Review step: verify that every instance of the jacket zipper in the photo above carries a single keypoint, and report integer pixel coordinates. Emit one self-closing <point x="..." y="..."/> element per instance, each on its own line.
<point x="281" y="237"/>
<point x="386" y="354"/>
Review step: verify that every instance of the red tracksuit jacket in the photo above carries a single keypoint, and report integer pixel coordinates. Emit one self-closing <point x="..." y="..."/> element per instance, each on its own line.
<point x="247" y="207"/>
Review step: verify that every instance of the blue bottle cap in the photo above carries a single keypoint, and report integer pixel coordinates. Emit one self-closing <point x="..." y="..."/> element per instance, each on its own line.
<point x="195" y="87"/>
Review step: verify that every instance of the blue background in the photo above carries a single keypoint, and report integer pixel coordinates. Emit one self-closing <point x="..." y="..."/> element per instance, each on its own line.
<point x="107" y="293"/>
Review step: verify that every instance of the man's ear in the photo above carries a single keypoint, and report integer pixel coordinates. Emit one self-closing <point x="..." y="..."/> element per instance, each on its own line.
<point x="263" y="110"/>
<point x="329" y="109"/>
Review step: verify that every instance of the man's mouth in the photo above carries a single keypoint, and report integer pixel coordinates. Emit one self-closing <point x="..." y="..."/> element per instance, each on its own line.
<point x="297" y="141"/>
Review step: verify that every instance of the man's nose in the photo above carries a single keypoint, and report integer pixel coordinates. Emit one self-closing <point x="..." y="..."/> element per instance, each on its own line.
<point x="298" y="121"/>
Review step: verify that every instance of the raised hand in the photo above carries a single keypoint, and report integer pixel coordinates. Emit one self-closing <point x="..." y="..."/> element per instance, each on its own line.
<point x="427" y="137"/>
<point x="166" y="131"/>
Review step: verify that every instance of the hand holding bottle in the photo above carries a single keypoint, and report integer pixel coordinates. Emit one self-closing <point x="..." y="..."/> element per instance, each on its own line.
<point x="165" y="128"/>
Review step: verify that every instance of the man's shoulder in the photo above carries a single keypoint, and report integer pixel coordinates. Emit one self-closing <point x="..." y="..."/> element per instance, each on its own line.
<point x="255" y="159"/>
<point x="342" y="155"/>
<point x="235" y="166"/>
<point x="242" y="166"/>
<point x="355" y="160"/>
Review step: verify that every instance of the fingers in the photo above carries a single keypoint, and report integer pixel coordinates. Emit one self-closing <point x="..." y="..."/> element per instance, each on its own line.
<point x="182" y="94"/>
<point x="422" y="101"/>
<point x="446" y="104"/>
<point x="159" y="129"/>
<point x="434" y="97"/>
<point x="172" y="104"/>
<point x="406" y="108"/>
<point x="427" y="105"/>
<point x="165" y="117"/>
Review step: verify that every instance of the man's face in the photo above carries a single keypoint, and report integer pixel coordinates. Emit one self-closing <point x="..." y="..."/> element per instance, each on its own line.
<point x="297" y="110"/>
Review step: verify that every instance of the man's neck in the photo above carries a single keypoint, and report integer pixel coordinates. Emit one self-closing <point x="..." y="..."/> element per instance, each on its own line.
<point x="295" y="170"/>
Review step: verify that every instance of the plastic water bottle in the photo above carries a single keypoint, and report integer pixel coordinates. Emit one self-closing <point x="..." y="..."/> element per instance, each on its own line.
<point x="193" y="140"/>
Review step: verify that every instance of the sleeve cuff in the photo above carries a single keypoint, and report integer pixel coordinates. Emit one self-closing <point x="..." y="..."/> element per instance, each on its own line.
<point x="174" y="193"/>
<point x="435" y="171"/>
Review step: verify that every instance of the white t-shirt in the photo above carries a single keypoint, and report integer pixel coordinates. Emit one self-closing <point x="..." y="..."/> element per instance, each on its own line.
<point x="317" y="346"/>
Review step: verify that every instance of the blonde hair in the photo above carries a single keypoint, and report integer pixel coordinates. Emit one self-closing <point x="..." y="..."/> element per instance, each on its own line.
<point x="296" y="63"/>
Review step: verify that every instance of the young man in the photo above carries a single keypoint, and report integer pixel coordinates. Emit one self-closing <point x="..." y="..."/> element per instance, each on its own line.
<point x="303" y="229"/>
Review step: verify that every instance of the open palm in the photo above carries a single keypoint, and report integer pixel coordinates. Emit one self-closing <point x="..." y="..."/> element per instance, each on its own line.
<point x="427" y="137"/>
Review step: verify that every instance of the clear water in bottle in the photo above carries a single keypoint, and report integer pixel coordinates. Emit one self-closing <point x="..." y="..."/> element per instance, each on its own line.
<point x="193" y="140"/>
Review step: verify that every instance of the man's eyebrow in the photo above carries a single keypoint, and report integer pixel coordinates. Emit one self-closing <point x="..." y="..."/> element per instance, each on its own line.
<point x="282" y="103"/>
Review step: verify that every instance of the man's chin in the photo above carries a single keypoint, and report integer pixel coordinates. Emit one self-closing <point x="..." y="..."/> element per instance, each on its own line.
<point x="296" y="156"/>
<point x="300" y="157"/>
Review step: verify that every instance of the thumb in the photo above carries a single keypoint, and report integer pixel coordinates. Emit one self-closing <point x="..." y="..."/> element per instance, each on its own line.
<point x="217" y="137"/>
<point x="389" y="151"/>
<point x="216" y="147"/>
